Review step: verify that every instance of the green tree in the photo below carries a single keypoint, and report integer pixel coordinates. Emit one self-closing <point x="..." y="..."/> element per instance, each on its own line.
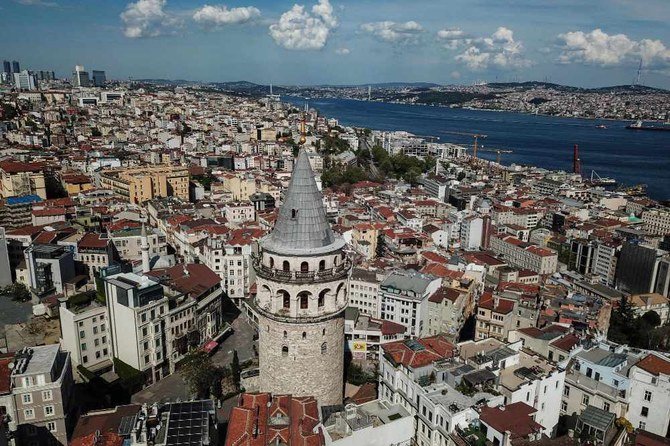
<point x="199" y="373"/>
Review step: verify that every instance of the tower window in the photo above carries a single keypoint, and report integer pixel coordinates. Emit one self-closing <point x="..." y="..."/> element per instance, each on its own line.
<point x="323" y="332"/>
<point x="322" y="298"/>
<point x="304" y="301"/>
<point x="294" y="213"/>
<point x="322" y="265"/>
<point x="284" y="351"/>
<point x="304" y="267"/>
<point x="324" y="348"/>
<point x="304" y="335"/>
<point x="286" y="300"/>
<point x="285" y="335"/>
<point x="272" y="262"/>
<point x="286" y="266"/>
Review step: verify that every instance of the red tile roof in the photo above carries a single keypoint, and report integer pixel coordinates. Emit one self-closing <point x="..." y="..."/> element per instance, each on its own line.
<point x="420" y="352"/>
<point x="5" y="373"/>
<point x="515" y="418"/>
<point x="249" y="423"/>
<point x="193" y="279"/>
<point x="91" y="240"/>
<point x="654" y="365"/>
<point x="566" y="343"/>
<point x="503" y="306"/>
<point x="11" y="166"/>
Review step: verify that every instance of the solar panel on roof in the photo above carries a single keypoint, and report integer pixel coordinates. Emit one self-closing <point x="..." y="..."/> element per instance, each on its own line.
<point x="126" y="425"/>
<point x="414" y="345"/>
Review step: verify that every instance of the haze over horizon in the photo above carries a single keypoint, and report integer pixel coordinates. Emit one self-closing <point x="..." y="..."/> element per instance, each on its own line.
<point x="346" y="42"/>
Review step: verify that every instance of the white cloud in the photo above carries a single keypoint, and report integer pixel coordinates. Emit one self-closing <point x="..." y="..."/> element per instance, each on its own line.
<point x="499" y="50"/>
<point x="407" y="32"/>
<point x="221" y="15"/>
<point x="342" y="51"/>
<point x="600" y="48"/>
<point x="147" y="18"/>
<point x="36" y="3"/>
<point x="298" y="29"/>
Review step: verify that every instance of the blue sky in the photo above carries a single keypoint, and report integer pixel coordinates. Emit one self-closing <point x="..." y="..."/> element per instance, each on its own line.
<point x="576" y="42"/>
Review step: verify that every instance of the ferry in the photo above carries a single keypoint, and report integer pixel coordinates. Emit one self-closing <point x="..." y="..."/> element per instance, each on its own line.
<point x="601" y="126"/>
<point x="638" y="125"/>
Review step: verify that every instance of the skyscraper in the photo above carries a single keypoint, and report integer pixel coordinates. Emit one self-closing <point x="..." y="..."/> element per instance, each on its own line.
<point x="99" y="78"/>
<point x="302" y="271"/>
<point x="25" y="80"/>
<point x="15" y="67"/>
<point x="6" y="67"/>
<point x="80" y="77"/>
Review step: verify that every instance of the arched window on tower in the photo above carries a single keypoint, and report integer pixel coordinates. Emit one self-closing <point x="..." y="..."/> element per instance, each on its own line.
<point x="336" y="261"/>
<point x="294" y="213"/>
<point x="284" y="351"/>
<point x="322" y="297"/>
<point x="324" y="348"/>
<point x="304" y="267"/>
<point x="286" y="266"/>
<point x="322" y="265"/>
<point x="286" y="300"/>
<point x="272" y="262"/>
<point x="304" y="335"/>
<point x="304" y="300"/>
<point x="285" y="335"/>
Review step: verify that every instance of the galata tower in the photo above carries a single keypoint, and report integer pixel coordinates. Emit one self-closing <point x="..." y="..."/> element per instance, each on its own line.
<point x="301" y="274"/>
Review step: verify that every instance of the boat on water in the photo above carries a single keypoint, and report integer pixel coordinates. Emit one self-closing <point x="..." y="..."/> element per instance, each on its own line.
<point x="639" y="125"/>
<point x="601" y="126"/>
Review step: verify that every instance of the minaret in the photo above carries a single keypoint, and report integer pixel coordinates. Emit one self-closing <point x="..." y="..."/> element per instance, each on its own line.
<point x="301" y="273"/>
<point x="146" y="264"/>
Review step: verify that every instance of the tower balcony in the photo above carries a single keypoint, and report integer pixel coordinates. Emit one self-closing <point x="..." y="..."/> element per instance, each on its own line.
<point x="338" y="272"/>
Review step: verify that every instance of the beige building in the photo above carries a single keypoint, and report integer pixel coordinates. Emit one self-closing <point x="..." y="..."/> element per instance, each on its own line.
<point x="525" y="255"/>
<point x="140" y="184"/>
<point x="18" y="179"/>
<point x="242" y="187"/>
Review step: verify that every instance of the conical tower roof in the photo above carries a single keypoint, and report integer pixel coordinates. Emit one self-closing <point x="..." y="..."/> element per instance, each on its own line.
<point x="302" y="227"/>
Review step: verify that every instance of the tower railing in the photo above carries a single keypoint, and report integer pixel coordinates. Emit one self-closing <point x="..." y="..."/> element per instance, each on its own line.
<point x="326" y="275"/>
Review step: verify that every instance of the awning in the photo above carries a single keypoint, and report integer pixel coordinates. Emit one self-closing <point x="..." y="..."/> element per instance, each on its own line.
<point x="210" y="346"/>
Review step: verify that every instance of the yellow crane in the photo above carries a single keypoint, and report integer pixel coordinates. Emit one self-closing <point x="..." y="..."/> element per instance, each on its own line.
<point x="497" y="152"/>
<point x="476" y="137"/>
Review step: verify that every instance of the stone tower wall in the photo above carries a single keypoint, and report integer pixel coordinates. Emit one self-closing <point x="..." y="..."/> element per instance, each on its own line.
<point x="305" y="369"/>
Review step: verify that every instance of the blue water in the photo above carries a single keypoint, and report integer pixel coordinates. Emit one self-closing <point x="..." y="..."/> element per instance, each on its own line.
<point x="631" y="157"/>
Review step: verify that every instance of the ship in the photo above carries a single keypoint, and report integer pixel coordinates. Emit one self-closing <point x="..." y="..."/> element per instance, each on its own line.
<point x="601" y="126"/>
<point x="639" y="125"/>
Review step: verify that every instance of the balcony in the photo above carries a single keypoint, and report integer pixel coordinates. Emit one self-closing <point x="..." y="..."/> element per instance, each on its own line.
<point x="327" y="275"/>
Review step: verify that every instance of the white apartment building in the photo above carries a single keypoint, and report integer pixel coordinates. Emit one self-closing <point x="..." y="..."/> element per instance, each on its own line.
<point x="364" y="291"/>
<point x="472" y="231"/>
<point x="524" y="217"/>
<point x="525" y="255"/>
<point x="649" y="397"/>
<point x="604" y="262"/>
<point x="128" y="243"/>
<point x="404" y="299"/>
<point x="137" y="309"/>
<point x="85" y="334"/>
<point x="657" y="221"/>
<point x="238" y="213"/>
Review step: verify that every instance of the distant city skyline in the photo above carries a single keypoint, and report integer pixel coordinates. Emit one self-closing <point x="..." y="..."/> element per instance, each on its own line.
<point x="570" y="42"/>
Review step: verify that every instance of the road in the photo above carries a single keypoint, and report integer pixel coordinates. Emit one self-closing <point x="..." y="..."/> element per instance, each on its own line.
<point x="173" y="387"/>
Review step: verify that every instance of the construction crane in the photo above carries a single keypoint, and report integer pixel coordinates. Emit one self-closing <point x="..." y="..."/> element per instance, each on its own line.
<point x="476" y="137"/>
<point x="497" y="152"/>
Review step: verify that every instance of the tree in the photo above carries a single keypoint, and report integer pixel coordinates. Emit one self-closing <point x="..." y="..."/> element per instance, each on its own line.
<point x="651" y="318"/>
<point x="236" y="369"/>
<point x="199" y="373"/>
<point x="16" y="291"/>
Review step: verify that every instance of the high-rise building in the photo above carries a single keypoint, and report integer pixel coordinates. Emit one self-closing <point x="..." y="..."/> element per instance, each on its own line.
<point x="302" y="271"/>
<point x="6" y="67"/>
<point x="80" y="77"/>
<point x="25" y="80"/>
<point x="15" y="67"/>
<point x="99" y="78"/>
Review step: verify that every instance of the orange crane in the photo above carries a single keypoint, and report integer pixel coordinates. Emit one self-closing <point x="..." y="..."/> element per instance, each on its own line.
<point x="497" y="152"/>
<point x="476" y="137"/>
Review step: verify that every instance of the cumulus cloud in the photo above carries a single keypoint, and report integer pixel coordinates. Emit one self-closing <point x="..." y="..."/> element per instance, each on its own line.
<point x="147" y="18"/>
<point x="499" y="50"/>
<point x="600" y="48"/>
<point x="342" y="51"/>
<point x="210" y="15"/>
<point x="406" y="32"/>
<point x="300" y="29"/>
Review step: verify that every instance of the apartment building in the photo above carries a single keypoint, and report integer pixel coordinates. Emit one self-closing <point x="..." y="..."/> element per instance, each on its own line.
<point x="18" y="179"/>
<point x="495" y="317"/>
<point x="84" y="331"/>
<point x="42" y="388"/>
<point x="364" y="291"/>
<point x="525" y="255"/>
<point x="404" y="299"/>
<point x="649" y="405"/>
<point x="137" y="308"/>
<point x="240" y="186"/>
<point x="140" y="184"/>
<point x="657" y="221"/>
